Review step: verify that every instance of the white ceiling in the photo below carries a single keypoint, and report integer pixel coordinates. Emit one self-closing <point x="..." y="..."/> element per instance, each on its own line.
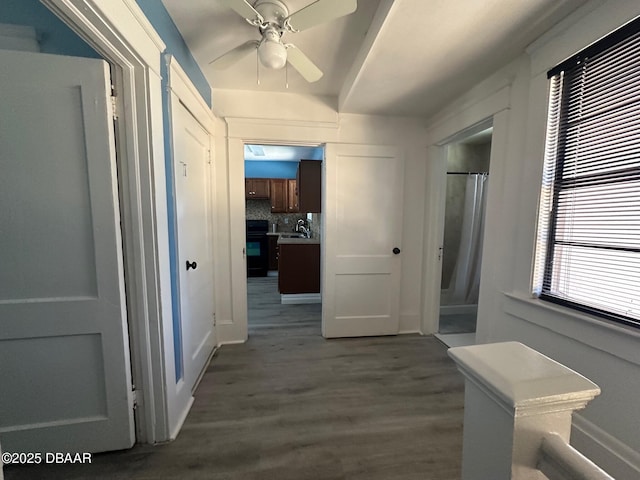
<point x="392" y="57"/>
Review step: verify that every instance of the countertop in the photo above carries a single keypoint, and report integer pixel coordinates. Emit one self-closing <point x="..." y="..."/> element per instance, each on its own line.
<point x="298" y="241"/>
<point x="292" y="240"/>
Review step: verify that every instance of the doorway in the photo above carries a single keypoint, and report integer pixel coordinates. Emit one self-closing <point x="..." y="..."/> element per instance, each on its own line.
<point x="283" y="198"/>
<point x="467" y="179"/>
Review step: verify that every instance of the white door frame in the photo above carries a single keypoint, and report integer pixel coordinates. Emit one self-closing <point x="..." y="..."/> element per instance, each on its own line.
<point x="441" y="176"/>
<point x="105" y="24"/>
<point x="181" y="90"/>
<point x="256" y="131"/>
<point x="495" y="110"/>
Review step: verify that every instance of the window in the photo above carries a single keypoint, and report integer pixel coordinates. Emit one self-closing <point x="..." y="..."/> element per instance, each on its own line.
<point x="588" y="245"/>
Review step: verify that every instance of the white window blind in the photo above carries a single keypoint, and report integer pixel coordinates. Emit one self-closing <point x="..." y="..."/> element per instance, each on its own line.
<point x="588" y="245"/>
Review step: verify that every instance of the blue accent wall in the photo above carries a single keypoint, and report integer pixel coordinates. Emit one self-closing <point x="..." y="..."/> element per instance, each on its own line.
<point x="52" y="34"/>
<point x="163" y="24"/>
<point x="270" y="169"/>
<point x="159" y="18"/>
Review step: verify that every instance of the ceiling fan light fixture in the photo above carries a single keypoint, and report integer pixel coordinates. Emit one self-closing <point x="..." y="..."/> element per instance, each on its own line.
<point x="272" y="54"/>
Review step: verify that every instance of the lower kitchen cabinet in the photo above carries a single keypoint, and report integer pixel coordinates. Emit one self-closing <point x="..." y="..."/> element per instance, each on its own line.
<point x="299" y="268"/>
<point x="273" y="252"/>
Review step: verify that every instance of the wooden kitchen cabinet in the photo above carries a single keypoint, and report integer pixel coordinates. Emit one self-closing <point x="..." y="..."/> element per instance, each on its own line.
<point x="309" y="180"/>
<point x="257" y="188"/>
<point x="273" y="252"/>
<point x="292" y="197"/>
<point x="299" y="268"/>
<point x="279" y="195"/>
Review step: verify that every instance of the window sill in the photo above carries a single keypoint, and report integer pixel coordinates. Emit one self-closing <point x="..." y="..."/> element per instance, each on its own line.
<point x="617" y="340"/>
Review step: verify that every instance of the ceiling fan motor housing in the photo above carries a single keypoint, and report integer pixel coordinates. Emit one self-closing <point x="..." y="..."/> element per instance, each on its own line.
<point x="273" y="12"/>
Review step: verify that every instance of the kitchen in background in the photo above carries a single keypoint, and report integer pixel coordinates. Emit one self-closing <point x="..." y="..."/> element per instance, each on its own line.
<point x="283" y="203"/>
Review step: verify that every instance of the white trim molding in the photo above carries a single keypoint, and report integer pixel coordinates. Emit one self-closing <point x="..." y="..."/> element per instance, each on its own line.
<point x="120" y="32"/>
<point x="290" y="131"/>
<point x="180" y="84"/>
<point x="616" y="457"/>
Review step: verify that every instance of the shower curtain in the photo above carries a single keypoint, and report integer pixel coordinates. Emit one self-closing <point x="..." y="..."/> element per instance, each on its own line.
<point x="465" y="280"/>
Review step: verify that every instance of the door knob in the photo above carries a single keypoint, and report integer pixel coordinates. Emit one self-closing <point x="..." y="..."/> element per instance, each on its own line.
<point x="193" y="265"/>
<point x="396" y="251"/>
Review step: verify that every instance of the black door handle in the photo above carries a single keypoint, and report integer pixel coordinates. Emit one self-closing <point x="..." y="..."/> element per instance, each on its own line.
<point x="193" y="265"/>
<point x="396" y="251"/>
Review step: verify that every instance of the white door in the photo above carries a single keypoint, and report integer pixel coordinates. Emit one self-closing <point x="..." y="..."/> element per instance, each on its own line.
<point x="362" y="246"/>
<point x="65" y="380"/>
<point x="191" y="157"/>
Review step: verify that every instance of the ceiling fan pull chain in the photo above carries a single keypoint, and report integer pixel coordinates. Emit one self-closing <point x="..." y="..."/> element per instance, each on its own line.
<point x="257" y="69"/>
<point x="286" y="75"/>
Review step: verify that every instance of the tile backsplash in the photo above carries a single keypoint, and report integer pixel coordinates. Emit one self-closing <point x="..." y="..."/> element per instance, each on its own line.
<point x="261" y="210"/>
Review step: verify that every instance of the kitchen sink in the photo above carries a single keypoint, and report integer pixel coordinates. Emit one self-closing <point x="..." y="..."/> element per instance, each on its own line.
<point x="292" y="235"/>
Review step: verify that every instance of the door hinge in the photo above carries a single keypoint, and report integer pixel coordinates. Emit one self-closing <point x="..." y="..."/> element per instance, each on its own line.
<point x="114" y="106"/>
<point x="214" y="319"/>
<point x="134" y="395"/>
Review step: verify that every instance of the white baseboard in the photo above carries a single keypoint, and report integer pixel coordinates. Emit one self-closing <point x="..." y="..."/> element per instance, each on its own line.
<point x="409" y="323"/>
<point x="299" y="298"/>
<point x="458" y="309"/>
<point x="229" y="332"/>
<point x="183" y="416"/>
<point x="615" y="457"/>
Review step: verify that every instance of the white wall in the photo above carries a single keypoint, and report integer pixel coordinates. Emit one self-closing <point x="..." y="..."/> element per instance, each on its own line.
<point x="298" y="118"/>
<point x="609" y="429"/>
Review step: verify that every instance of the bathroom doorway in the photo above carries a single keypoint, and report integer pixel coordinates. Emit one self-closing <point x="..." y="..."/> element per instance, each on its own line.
<point x="467" y="183"/>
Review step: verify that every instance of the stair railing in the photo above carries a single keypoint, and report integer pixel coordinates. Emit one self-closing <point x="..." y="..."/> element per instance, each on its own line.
<point x="517" y="415"/>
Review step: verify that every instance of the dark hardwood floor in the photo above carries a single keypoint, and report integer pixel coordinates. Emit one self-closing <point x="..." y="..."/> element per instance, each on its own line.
<point x="289" y="404"/>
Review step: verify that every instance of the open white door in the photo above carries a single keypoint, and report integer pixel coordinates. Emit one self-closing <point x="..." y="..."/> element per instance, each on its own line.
<point x="362" y="240"/>
<point x="191" y="159"/>
<point x="65" y="375"/>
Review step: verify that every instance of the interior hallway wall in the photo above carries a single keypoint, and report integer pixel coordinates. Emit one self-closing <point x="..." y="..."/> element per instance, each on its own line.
<point x="278" y="111"/>
<point x="53" y="35"/>
<point x="607" y="430"/>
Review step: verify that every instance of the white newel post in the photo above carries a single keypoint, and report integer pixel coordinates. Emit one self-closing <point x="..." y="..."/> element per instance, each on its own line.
<point x="514" y="396"/>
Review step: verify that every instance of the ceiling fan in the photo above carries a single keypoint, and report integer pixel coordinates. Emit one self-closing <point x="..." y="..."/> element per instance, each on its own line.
<point x="272" y="19"/>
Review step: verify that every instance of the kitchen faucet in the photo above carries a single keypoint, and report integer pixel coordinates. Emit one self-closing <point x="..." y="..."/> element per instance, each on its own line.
<point x="300" y="227"/>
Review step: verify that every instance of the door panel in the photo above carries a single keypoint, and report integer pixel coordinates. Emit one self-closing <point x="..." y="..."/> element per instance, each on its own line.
<point x="361" y="283"/>
<point x="193" y="213"/>
<point x="64" y="352"/>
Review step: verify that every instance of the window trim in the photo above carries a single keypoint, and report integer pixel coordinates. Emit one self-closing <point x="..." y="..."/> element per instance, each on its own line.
<point x="554" y="152"/>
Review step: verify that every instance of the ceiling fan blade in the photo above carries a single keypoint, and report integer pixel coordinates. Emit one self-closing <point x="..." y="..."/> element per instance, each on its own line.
<point x="319" y="12"/>
<point x="234" y="55"/>
<point x="244" y="9"/>
<point x="303" y="65"/>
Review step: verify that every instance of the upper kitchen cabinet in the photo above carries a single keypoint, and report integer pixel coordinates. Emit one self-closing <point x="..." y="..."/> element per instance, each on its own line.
<point x="279" y="196"/>
<point x="309" y="179"/>
<point x="257" y="188"/>
<point x="293" y="196"/>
